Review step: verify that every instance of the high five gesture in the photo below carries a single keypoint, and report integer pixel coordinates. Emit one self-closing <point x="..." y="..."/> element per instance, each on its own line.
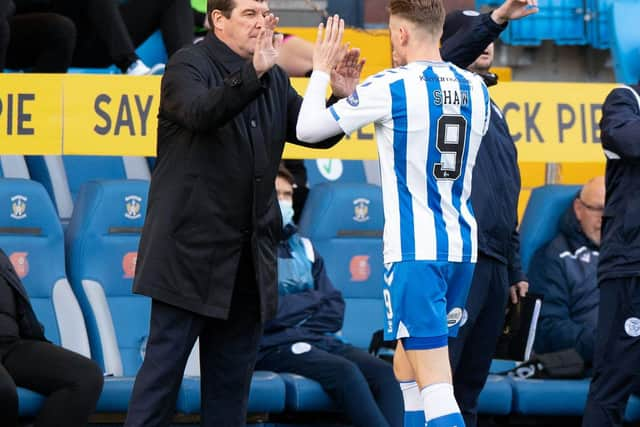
<point x="267" y="46"/>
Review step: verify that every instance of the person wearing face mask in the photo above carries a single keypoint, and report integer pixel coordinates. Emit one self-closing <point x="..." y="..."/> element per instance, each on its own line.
<point x="565" y="272"/>
<point x="301" y="338"/>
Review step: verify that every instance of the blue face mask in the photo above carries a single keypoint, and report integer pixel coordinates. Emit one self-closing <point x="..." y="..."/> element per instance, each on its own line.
<point x="286" y="209"/>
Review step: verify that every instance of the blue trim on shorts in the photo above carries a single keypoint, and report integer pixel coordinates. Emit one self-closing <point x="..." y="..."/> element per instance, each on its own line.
<point x="425" y="343"/>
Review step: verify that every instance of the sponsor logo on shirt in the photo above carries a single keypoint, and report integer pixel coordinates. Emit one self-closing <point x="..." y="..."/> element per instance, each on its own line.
<point x="19" y="206"/>
<point x="132" y="207"/>
<point x="20" y="263"/>
<point x="360" y="268"/>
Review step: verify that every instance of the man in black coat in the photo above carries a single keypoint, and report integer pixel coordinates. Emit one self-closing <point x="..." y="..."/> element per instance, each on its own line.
<point x="207" y="255"/>
<point x="71" y="382"/>
<point x="617" y="345"/>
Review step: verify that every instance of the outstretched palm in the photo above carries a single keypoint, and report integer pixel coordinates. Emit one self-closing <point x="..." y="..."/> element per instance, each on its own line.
<point x="267" y="46"/>
<point x="346" y="75"/>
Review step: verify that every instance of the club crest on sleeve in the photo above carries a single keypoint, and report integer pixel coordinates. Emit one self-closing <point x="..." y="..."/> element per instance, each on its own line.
<point x="353" y="99"/>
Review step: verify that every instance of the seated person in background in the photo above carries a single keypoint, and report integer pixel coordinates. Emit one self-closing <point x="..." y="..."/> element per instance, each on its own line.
<point x="565" y="272"/>
<point x="108" y="31"/>
<point x="71" y="382"/>
<point x="301" y="340"/>
<point x="40" y="42"/>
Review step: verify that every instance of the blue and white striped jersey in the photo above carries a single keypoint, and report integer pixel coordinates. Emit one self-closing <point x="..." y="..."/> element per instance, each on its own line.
<point x="429" y="118"/>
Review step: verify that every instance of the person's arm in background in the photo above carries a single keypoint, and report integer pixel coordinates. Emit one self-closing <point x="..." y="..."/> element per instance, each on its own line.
<point x="519" y="284"/>
<point x="330" y="313"/>
<point x="463" y="48"/>
<point x="556" y="330"/>
<point x="620" y="125"/>
<point x="7" y="9"/>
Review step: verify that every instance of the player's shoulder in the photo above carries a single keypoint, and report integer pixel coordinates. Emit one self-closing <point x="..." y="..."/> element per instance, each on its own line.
<point x="385" y="77"/>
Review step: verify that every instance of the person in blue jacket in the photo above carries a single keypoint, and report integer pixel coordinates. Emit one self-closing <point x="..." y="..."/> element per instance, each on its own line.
<point x="301" y="338"/>
<point x="616" y="361"/>
<point x="498" y="274"/>
<point x="565" y="272"/>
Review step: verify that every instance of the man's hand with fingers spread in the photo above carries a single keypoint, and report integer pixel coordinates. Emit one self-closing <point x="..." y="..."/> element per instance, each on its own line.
<point x="267" y="46"/>
<point x="328" y="50"/>
<point x="514" y="9"/>
<point x="346" y="75"/>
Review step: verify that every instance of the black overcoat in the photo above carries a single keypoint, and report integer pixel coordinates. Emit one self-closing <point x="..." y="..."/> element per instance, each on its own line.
<point x="29" y="326"/>
<point x="221" y="133"/>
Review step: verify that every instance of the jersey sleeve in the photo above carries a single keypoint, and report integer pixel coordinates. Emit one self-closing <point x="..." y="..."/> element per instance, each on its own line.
<point x="369" y="103"/>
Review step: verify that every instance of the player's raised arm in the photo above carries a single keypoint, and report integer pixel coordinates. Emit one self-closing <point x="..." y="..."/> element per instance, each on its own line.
<point x="315" y="122"/>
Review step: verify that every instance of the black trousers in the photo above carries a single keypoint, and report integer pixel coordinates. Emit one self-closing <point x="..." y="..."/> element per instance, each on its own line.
<point x="228" y="351"/>
<point x="109" y="32"/>
<point x="616" y="362"/>
<point x="71" y="382"/>
<point x="362" y="385"/>
<point x="41" y="42"/>
<point x="472" y="350"/>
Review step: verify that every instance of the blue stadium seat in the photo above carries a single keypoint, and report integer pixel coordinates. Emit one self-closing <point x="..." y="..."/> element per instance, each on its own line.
<point x="559" y="398"/>
<point x="152" y="51"/>
<point x="562" y="21"/>
<point x="598" y="23"/>
<point x="31" y="236"/>
<point x="496" y="397"/>
<point x="63" y="176"/>
<point x="102" y="243"/>
<point x="321" y="171"/>
<point x="541" y="220"/>
<point x="624" y="42"/>
<point x="345" y="222"/>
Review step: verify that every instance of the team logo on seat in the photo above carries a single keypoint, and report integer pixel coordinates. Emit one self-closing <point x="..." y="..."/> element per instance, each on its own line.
<point x="360" y="268"/>
<point x="454" y="317"/>
<point x="19" y="207"/>
<point x="129" y="261"/>
<point x="133" y="207"/>
<point x="361" y="210"/>
<point x="20" y="263"/>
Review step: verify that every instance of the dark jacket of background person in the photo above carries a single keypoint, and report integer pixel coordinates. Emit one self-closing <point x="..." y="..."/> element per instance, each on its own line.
<point x="462" y="49"/>
<point x="221" y="132"/>
<point x="29" y="326"/>
<point x="496" y="187"/>
<point x="304" y="315"/>
<point x="620" y="135"/>
<point x="565" y="272"/>
<point x="38" y="42"/>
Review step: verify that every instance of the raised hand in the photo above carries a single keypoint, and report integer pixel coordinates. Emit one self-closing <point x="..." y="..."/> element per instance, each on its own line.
<point x="514" y="9"/>
<point x="346" y="75"/>
<point x="267" y="46"/>
<point x="328" y="50"/>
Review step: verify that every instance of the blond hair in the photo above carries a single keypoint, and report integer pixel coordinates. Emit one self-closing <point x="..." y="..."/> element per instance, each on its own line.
<point x="425" y="14"/>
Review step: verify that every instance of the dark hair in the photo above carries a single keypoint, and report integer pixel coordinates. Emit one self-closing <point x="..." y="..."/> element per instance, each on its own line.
<point x="427" y="14"/>
<point x="284" y="173"/>
<point x="224" y="6"/>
